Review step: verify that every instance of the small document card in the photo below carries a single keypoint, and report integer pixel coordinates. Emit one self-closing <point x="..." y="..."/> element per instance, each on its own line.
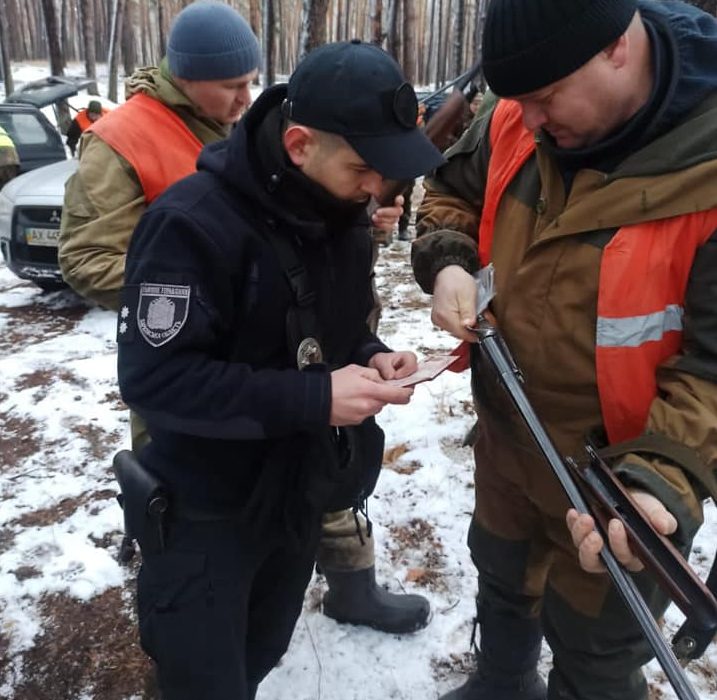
<point x="428" y="369"/>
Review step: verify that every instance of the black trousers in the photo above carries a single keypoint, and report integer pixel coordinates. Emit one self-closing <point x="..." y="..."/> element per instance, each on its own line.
<point x="218" y="606"/>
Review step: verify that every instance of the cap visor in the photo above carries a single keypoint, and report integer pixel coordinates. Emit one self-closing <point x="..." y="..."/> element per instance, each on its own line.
<point x="400" y="156"/>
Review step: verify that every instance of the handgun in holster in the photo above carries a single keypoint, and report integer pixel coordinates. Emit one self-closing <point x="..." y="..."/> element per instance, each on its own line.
<point x="144" y="502"/>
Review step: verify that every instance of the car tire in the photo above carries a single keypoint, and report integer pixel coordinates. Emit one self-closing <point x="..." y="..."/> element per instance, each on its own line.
<point x="50" y="285"/>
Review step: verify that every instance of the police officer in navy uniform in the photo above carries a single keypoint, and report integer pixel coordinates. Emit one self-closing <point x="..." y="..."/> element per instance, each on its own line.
<point x="243" y="344"/>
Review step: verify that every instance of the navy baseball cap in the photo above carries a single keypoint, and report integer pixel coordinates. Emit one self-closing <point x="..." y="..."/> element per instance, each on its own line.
<point x="356" y="90"/>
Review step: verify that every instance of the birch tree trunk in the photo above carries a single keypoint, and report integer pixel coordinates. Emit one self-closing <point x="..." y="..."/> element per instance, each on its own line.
<point x="5" y="52"/>
<point x="480" y="23"/>
<point x="393" y="38"/>
<point x="269" y="39"/>
<point x="64" y="21"/>
<point x="377" y="22"/>
<point x="87" y="22"/>
<point x="409" y="41"/>
<point x="255" y="24"/>
<point x="161" y="29"/>
<point x="313" y="26"/>
<point x="129" y="46"/>
<point x="440" y="52"/>
<point x="459" y="14"/>
<point x="113" y="53"/>
<point x="255" y="17"/>
<point x="57" y="60"/>
<point x="430" y="52"/>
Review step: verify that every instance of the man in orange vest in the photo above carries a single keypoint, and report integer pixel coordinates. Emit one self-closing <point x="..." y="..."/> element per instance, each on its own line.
<point x="84" y="120"/>
<point x="128" y="159"/>
<point x="590" y="187"/>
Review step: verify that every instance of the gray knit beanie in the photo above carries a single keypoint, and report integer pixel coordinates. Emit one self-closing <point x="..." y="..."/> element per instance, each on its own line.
<point x="211" y="41"/>
<point x="529" y="44"/>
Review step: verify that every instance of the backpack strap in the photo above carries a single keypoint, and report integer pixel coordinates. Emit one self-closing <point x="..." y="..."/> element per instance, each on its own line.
<point x="302" y="324"/>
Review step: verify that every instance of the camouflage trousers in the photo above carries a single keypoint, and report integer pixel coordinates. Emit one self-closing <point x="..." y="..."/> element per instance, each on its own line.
<point x="528" y="568"/>
<point x="341" y="548"/>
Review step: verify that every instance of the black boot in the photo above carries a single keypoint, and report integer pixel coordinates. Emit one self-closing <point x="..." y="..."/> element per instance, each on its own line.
<point x="354" y="597"/>
<point x="507" y="662"/>
<point x="486" y="685"/>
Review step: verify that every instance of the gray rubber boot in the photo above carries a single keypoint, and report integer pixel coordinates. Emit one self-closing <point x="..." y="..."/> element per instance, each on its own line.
<point x="507" y="662"/>
<point x="354" y="597"/>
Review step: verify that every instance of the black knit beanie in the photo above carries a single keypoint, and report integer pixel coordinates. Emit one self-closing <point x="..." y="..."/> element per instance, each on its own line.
<point x="528" y="44"/>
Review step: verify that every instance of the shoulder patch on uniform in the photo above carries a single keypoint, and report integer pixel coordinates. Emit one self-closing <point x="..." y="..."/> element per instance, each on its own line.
<point x="162" y="311"/>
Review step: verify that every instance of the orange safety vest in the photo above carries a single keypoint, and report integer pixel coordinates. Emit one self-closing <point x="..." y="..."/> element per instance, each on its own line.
<point x="153" y="139"/>
<point x="84" y="122"/>
<point x="639" y="324"/>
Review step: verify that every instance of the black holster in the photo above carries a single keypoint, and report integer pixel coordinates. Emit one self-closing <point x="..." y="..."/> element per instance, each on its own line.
<point x="145" y="503"/>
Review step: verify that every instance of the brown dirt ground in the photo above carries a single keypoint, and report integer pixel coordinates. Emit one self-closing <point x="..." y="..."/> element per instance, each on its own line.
<point x="84" y="647"/>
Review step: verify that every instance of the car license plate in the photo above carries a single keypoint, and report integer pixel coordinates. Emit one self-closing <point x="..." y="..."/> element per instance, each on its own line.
<point x="42" y="236"/>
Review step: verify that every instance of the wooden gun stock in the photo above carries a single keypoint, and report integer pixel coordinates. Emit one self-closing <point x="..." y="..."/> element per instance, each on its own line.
<point x="660" y="557"/>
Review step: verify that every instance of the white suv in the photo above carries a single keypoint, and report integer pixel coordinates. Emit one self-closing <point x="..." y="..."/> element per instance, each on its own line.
<point x="30" y="211"/>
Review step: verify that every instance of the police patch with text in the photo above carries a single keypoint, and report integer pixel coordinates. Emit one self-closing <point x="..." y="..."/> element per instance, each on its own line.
<point x="162" y="311"/>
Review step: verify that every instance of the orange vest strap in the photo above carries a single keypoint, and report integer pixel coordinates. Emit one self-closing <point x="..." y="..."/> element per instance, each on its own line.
<point x="511" y="145"/>
<point x="153" y="139"/>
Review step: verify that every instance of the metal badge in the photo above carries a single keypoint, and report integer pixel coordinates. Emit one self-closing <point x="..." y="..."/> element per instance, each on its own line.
<point x="309" y="353"/>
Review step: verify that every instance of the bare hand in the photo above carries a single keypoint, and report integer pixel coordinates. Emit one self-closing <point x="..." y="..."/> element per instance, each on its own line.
<point x="590" y="543"/>
<point x="394" y="365"/>
<point x="454" y="302"/>
<point x="386" y="218"/>
<point x="359" y="392"/>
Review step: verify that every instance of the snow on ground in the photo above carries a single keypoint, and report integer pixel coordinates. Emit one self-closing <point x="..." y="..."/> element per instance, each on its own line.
<point x="61" y="419"/>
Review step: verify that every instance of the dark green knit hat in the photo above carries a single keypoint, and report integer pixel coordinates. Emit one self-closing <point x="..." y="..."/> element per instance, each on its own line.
<point x="528" y="44"/>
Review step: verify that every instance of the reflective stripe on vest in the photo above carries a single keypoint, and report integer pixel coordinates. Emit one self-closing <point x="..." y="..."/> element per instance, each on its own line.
<point x="153" y="139"/>
<point x="633" y="331"/>
<point x="643" y="279"/>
